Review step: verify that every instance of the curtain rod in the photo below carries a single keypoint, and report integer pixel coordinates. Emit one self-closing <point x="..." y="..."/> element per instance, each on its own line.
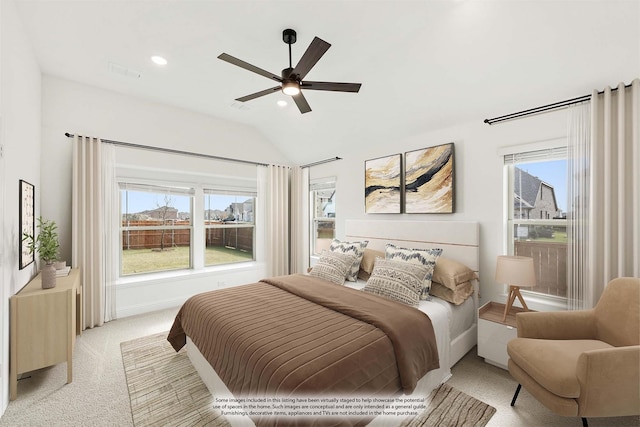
<point x="319" y="162"/>
<point x="544" y="108"/>
<point x="189" y="153"/>
<point x="172" y="151"/>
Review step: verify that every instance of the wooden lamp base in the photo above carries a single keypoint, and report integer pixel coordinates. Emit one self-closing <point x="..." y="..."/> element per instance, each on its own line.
<point x="514" y="291"/>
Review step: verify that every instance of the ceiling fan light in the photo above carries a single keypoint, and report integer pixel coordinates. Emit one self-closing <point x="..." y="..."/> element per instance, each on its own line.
<point x="290" y="88"/>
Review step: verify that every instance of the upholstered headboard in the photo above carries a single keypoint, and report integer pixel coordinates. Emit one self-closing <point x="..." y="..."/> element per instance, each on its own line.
<point x="460" y="240"/>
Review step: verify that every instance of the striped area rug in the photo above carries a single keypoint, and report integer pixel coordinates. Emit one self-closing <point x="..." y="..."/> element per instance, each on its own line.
<point x="164" y="387"/>
<point x="165" y="390"/>
<point x="450" y="407"/>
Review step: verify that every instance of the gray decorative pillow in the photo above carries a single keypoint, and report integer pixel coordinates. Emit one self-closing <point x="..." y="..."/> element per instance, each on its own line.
<point x="333" y="266"/>
<point x="397" y="280"/>
<point x="426" y="257"/>
<point x="354" y="248"/>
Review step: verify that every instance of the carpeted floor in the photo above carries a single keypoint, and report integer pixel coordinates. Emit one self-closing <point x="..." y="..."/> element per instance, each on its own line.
<point x="98" y="395"/>
<point x="165" y="389"/>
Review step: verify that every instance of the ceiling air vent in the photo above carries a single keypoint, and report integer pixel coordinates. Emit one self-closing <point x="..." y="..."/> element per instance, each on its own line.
<point x="124" y="71"/>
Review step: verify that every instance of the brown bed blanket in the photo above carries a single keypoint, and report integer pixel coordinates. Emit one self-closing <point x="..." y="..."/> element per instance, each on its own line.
<point x="302" y="335"/>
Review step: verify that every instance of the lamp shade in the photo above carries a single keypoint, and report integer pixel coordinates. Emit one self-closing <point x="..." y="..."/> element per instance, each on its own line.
<point x="515" y="270"/>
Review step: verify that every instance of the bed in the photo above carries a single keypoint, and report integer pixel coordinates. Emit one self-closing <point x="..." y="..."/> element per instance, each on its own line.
<point x="452" y="327"/>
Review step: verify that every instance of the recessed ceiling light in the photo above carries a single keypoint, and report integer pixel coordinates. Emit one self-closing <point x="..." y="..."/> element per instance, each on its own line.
<point x="282" y="103"/>
<point x="159" y="60"/>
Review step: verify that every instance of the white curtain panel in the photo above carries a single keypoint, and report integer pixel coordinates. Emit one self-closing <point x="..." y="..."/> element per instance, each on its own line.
<point x="88" y="233"/>
<point x="612" y="238"/>
<point x="299" y="214"/>
<point x="277" y="220"/>
<point x="578" y="164"/>
<point x="113" y="241"/>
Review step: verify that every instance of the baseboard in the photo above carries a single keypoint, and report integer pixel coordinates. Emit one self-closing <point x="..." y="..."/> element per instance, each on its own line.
<point x="133" y="310"/>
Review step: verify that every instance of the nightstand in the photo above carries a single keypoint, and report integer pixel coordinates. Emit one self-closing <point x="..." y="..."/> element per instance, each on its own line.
<point x="493" y="333"/>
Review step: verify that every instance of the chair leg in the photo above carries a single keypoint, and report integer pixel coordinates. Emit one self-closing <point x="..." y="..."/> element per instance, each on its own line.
<point x="515" y="395"/>
<point x="584" y="422"/>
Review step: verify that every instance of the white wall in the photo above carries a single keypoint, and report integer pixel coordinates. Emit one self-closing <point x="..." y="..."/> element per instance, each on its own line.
<point x="80" y="109"/>
<point x="20" y="84"/>
<point x="478" y="179"/>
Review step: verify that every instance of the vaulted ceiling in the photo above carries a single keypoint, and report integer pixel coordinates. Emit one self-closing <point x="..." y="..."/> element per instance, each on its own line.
<point x="423" y="65"/>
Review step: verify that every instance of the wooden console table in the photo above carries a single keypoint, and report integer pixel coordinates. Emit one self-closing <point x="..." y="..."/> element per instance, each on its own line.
<point x="44" y="325"/>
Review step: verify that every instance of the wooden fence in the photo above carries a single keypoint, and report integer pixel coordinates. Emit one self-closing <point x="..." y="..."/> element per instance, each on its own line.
<point x="550" y="261"/>
<point x="233" y="237"/>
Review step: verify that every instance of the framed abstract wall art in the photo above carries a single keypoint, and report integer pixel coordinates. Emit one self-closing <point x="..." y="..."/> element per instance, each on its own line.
<point x="429" y="180"/>
<point x="382" y="184"/>
<point x="27" y="221"/>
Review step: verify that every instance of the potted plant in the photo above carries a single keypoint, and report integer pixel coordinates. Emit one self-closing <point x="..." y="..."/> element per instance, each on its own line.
<point x="47" y="246"/>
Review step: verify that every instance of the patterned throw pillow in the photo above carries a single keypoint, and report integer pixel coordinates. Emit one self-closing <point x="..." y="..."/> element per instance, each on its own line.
<point x="426" y="257"/>
<point x="353" y="248"/>
<point x="333" y="266"/>
<point x="397" y="280"/>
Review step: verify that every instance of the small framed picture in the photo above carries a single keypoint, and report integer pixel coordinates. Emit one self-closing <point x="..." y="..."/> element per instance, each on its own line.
<point x="27" y="221"/>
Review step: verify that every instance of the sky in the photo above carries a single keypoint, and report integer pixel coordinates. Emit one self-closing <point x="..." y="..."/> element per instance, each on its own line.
<point x="553" y="172"/>
<point x="141" y="201"/>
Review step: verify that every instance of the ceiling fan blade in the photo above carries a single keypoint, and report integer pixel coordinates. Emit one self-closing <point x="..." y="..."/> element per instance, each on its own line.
<point x="314" y="52"/>
<point x="302" y="103"/>
<point x="240" y="63"/>
<point x="259" y="94"/>
<point x="337" y="87"/>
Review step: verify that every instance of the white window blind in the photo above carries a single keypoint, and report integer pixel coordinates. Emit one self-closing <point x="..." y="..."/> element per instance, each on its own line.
<point x="231" y="192"/>
<point x="153" y="188"/>
<point x="324" y="184"/>
<point x="557" y="153"/>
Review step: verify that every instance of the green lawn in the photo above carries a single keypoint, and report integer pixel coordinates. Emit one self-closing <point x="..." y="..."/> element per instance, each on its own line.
<point x="558" y="237"/>
<point x="136" y="261"/>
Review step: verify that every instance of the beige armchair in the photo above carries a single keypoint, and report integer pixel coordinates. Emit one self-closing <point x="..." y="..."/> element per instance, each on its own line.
<point x="582" y="363"/>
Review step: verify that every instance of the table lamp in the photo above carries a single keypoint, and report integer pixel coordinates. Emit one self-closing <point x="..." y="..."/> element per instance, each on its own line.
<point x="517" y="272"/>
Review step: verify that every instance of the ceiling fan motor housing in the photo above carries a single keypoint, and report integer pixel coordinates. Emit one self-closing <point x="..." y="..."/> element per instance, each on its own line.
<point x="287" y="75"/>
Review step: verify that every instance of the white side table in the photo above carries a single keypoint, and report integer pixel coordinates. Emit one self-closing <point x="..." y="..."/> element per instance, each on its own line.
<point x="493" y="333"/>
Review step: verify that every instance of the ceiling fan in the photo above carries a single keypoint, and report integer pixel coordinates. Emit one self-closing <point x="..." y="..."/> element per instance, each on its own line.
<point x="291" y="79"/>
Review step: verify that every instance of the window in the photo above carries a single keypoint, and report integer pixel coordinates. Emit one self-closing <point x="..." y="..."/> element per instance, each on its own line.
<point x="323" y="214"/>
<point x="536" y="210"/>
<point x="229" y="227"/>
<point x="156" y="228"/>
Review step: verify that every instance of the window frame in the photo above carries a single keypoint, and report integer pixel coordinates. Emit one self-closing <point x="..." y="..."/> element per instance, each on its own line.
<point x="316" y="185"/>
<point x="252" y="195"/>
<point x="158" y="189"/>
<point x="196" y="191"/>
<point x="553" y="149"/>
